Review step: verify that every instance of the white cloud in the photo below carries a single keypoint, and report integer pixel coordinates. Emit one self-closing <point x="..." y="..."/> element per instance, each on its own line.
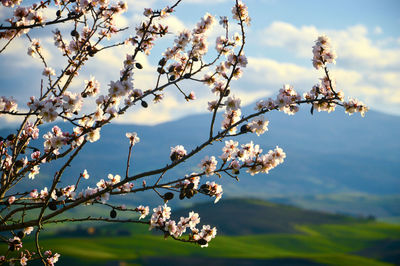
<point x="378" y="89"/>
<point x="366" y="69"/>
<point x="352" y="44"/>
<point x="263" y="70"/>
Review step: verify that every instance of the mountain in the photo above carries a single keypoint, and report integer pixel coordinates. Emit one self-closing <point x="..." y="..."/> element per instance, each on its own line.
<point x="326" y="154"/>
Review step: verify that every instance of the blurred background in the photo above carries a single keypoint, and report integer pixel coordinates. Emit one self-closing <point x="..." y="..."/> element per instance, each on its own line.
<point x="336" y="198"/>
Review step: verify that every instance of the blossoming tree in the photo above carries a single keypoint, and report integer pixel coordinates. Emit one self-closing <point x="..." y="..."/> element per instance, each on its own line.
<point x="91" y="22"/>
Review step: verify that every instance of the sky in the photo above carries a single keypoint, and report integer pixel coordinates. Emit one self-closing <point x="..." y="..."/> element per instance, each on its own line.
<point x="365" y="35"/>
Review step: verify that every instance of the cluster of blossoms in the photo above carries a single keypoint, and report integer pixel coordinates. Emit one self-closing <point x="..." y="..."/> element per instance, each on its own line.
<point x="184" y="59"/>
<point x="198" y="39"/>
<point x="68" y="104"/>
<point x="232" y="114"/>
<point x="286" y="100"/>
<point x="35" y="48"/>
<point x="354" y="105"/>
<point x="323" y="52"/>
<point x="177" y="153"/>
<point x="15" y="244"/>
<point x="223" y="45"/>
<point x="213" y="190"/>
<point x="250" y="156"/>
<point x="144" y="211"/>
<point x="258" y="125"/>
<point x="48" y="71"/>
<point x="30" y="131"/>
<point x="150" y="32"/>
<point x="240" y="12"/>
<point x="161" y="220"/>
<point x="22" y="16"/>
<point x="11" y="3"/>
<point x="68" y="192"/>
<point x="209" y="164"/>
<point x="8" y="105"/>
<point x="188" y="187"/>
<point x="327" y="90"/>
<point x="92" y="87"/>
<point x="55" y="140"/>
<point x="58" y="194"/>
<point x="51" y="258"/>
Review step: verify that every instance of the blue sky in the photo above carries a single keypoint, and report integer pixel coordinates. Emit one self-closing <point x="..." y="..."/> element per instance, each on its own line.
<point x="365" y="35"/>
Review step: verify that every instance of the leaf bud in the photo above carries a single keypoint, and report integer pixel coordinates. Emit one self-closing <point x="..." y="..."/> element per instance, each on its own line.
<point x="162" y="62"/>
<point x="75" y="33"/>
<point x="160" y="70"/>
<point x="53" y="205"/>
<point x="11" y="137"/>
<point x="21" y="234"/>
<point x="168" y="196"/>
<point x="244" y="129"/>
<point x="171" y="69"/>
<point x="202" y="241"/>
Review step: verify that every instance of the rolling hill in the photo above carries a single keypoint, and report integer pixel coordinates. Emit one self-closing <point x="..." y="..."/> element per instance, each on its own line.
<point x="291" y="236"/>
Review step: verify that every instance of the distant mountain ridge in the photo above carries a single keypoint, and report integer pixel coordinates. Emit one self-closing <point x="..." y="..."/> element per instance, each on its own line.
<point x="326" y="154"/>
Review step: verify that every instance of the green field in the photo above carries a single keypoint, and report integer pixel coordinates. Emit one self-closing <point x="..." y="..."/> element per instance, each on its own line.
<point x="326" y="244"/>
<point x="266" y="233"/>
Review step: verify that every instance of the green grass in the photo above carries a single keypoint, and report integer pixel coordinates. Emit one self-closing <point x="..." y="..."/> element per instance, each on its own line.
<point x="326" y="244"/>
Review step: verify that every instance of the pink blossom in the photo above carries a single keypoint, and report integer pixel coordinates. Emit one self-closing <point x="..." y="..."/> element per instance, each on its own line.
<point x="209" y="164"/>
